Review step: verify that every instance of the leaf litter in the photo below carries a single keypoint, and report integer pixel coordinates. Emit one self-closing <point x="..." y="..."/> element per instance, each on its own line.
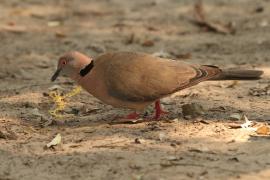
<point x="258" y="128"/>
<point x="202" y="21"/>
<point x="55" y="141"/>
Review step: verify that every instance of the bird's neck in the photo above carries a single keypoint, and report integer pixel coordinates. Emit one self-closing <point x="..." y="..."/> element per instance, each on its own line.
<point x="87" y="69"/>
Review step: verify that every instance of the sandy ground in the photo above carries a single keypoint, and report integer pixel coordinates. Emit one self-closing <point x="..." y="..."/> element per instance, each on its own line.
<point x="34" y="34"/>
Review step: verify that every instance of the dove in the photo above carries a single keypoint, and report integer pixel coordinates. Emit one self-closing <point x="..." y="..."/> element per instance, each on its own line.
<point x="135" y="80"/>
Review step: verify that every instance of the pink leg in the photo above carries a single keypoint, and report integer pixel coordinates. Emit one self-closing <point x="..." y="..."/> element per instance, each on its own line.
<point x="159" y="110"/>
<point x="133" y="115"/>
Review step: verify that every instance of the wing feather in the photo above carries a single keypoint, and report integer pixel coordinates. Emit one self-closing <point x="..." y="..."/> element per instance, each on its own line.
<point x="139" y="77"/>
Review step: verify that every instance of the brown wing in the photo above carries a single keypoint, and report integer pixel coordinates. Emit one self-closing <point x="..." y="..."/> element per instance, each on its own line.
<point x="139" y="77"/>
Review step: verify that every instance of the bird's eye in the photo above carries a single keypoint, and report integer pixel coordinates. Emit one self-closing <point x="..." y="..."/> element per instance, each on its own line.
<point x="64" y="62"/>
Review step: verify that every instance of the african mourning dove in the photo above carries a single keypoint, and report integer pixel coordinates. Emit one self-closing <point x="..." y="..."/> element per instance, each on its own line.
<point x="135" y="80"/>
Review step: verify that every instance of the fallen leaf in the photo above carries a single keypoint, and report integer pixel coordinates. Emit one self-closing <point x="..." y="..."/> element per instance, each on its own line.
<point x="263" y="130"/>
<point x="55" y="141"/>
<point x="201" y="20"/>
<point x="53" y="23"/>
<point x="248" y="124"/>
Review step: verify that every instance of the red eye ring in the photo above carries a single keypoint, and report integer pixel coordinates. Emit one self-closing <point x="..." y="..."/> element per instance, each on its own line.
<point x="64" y="62"/>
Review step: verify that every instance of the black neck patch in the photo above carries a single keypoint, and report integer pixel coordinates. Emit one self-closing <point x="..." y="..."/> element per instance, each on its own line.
<point x="87" y="69"/>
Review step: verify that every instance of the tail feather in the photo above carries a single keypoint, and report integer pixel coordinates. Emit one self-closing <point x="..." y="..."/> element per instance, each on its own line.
<point x="238" y="74"/>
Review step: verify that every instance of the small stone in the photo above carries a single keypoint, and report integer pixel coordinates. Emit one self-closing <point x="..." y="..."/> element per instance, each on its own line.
<point x="192" y="110"/>
<point x="235" y="116"/>
<point x="137" y="141"/>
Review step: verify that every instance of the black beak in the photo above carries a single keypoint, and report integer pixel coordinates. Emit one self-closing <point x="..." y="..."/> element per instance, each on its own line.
<point x="56" y="74"/>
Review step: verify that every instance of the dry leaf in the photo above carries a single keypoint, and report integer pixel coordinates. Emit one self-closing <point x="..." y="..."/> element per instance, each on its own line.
<point x="263" y="130"/>
<point x="248" y="124"/>
<point x="55" y="141"/>
<point x="53" y="23"/>
<point x="201" y="20"/>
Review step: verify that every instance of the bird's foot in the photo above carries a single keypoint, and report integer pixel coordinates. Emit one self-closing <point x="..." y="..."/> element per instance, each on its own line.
<point x="159" y="111"/>
<point x="159" y="114"/>
<point x="133" y="116"/>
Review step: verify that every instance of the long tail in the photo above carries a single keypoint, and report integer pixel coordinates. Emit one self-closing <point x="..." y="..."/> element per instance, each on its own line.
<point x="238" y="74"/>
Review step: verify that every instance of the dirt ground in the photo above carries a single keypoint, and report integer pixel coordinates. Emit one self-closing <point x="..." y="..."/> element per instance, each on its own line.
<point x="35" y="33"/>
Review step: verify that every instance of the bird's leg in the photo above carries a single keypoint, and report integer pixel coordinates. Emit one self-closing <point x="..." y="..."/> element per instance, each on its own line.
<point x="133" y="115"/>
<point x="159" y="110"/>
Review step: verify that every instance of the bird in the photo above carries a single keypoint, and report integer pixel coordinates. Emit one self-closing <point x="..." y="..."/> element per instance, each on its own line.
<point x="134" y="80"/>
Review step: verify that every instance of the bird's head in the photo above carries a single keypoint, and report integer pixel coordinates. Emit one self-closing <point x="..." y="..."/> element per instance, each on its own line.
<point x="72" y="64"/>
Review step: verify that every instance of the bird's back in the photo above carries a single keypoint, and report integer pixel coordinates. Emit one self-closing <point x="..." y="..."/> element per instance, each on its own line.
<point x="140" y="77"/>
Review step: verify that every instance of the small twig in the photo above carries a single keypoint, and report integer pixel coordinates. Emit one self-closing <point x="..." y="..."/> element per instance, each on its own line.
<point x="109" y="144"/>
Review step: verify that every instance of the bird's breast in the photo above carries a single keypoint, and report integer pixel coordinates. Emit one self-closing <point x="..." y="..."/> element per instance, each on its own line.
<point x="97" y="88"/>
